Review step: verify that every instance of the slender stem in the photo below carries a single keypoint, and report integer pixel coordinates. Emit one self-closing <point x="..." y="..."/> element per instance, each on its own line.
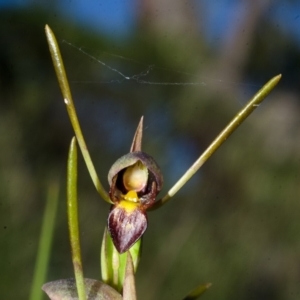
<point x="73" y="219"/>
<point x="45" y="241"/>
<point x="220" y="139"/>
<point x="65" y="89"/>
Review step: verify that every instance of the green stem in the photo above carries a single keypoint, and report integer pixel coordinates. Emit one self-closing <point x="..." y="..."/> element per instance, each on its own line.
<point x="45" y="242"/>
<point x="220" y="139"/>
<point x="65" y="89"/>
<point x="73" y="219"/>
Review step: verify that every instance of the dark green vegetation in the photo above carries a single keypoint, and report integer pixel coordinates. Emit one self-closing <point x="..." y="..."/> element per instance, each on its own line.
<point x="235" y="224"/>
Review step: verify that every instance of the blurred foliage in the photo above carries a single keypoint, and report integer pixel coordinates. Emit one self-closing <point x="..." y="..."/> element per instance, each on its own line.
<point x="235" y="224"/>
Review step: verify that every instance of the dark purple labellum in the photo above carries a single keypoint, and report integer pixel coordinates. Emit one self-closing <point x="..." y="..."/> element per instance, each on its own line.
<point x="126" y="224"/>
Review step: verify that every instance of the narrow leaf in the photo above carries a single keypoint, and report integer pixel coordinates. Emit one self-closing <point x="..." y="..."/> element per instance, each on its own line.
<point x="220" y="139"/>
<point x="73" y="218"/>
<point x="107" y="249"/>
<point x="65" y="89"/>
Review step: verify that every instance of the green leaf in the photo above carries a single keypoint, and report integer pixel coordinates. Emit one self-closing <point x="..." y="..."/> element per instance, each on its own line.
<point x="72" y="209"/>
<point x="65" y="289"/>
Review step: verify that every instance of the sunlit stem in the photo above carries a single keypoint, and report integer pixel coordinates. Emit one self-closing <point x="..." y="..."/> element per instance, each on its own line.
<point x="65" y="89"/>
<point x="73" y="219"/>
<point x="221" y="138"/>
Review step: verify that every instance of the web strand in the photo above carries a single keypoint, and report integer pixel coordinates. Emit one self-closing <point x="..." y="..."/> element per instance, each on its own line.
<point x="139" y="78"/>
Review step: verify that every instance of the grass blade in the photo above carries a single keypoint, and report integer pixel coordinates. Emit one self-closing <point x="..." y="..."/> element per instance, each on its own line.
<point x="45" y="241"/>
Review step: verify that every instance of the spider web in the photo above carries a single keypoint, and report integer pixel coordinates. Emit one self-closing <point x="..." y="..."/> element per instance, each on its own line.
<point x="146" y="70"/>
<point x="142" y="75"/>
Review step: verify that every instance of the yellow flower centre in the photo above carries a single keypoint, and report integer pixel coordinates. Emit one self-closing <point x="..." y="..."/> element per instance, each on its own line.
<point x="128" y="206"/>
<point x="131" y="196"/>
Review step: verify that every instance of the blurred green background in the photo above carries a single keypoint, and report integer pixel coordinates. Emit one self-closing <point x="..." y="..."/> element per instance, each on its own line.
<point x="236" y="223"/>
